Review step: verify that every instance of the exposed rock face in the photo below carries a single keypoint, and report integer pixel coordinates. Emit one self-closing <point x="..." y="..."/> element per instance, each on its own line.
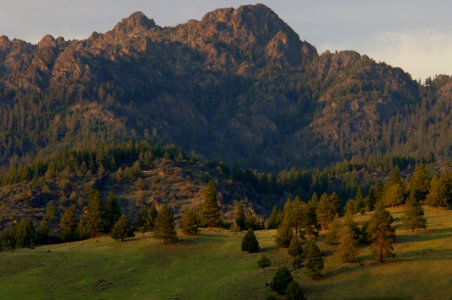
<point x="237" y="85"/>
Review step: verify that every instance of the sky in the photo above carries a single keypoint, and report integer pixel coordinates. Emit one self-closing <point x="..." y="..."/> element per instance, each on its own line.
<point x="412" y="34"/>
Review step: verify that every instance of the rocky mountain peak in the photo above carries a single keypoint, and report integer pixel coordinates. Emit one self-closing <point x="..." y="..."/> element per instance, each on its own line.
<point x="137" y="21"/>
<point x="47" y="41"/>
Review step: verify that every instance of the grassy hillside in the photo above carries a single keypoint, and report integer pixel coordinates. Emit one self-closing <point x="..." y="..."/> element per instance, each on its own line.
<point x="211" y="266"/>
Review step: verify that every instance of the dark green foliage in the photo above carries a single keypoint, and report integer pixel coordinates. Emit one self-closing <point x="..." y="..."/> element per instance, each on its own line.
<point x="284" y="235"/>
<point x="295" y="247"/>
<point x="122" y="229"/>
<point x="112" y="212"/>
<point x="380" y="232"/>
<point x="274" y="220"/>
<point x="25" y="234"/>
<point x="347" y="248"/>
<point x="281" y="281"/>
<point x="240" y="217"/>
<point x="51" y="211"/>
<point x="68" y="225"/>
<point x="146" y="218"/>
<point x="250" y="242"/>
<point x="189" y="222"/>
<point x="211" y="213"/>
<point x="43" y="232"/>
<point x="264" y="262"/>
<point x="419" y="183"/>
<point x="94" y="213"/>
<point x="298" y="262"/>
<point x="164" y="225"/>
<point x="313" y="260"/>
<point x="414" y="215"/>
<point x="294" y="292"/>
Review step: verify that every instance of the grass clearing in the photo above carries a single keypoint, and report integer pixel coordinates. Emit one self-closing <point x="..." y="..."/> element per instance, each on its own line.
<point x="211" y="266"/>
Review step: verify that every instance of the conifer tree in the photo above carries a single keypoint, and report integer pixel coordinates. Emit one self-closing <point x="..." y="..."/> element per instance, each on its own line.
<point x="264" y="262"/>
<point x="380" y="232"/>
<point x="43" y="232"/>
<point x="295" y="247"/>
<point x="347" y="248"/>
<point x="51" y="211"/>
<point x="25" y="234"/>
<point x="438" y="193"/>
<point x="371" y="199"/>
<point x="189" y="222"/>
<point x="414" y="215"/>
<point x="359" y="203"/>
<point x="394" y="195"/>
<point x="164" y="225"/>
<point x="294" y="291"/>
<point x="323" y="212"/>
<point x="313" y="260"/>
<point x="112" y="212"/>
<point x="240" y="217"/>
<point x="420" y="183"/>
<point x="146" y="218"/>
<point x="333" y="231"/>
<point x="122" y="229"/>
<point x="211" y="210"/>
<point x="284" y="234"/>
<point x="68" y="225"/>
<point x="94" y="213"/>
<point x="274" y="220"/>
<point x="250" y="242"/>
<point x="281" y="281"/>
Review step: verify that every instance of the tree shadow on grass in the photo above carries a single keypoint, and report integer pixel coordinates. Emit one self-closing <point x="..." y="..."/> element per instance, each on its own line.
<point x="436" y="234"/>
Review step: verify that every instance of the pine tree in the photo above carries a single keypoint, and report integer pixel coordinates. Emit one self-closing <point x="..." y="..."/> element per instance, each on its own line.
<point x="347" y="248"/>
<point x="380" y="232"/>
<point x="122" y="229"/>
<point x="211" y="210"/>
<point x="438" y="193"/>
<point x="146" y="218"/>
<point x="323" y="216"/>
<point x="394" y="195"/>
<point x="68" y="225"/>
<point x="112" y="212"/>
<point x="414" y="215"/>
<point x="295" y="247"/>
<point x="189" y="222"/>
<point x="294" y="291"/>
<point x="51" y="211"/>
<point x="420" y="183"/>
<point x="264" y="262"/>
<point x="313" y="260"/>
<point x="281" y="281"/>
<point x="25" y="234"/>
<point x="332" y="236"/>
<point x="164" y="225"/>
<point x="43" y="232"/>
<point x="240" y="217"/>
<point x="359" y="203"/>
<point x="284" y="234"/>
<point x="274" y="220"/>
<point x="94" y="213"/>
<point x="249" y="242"/>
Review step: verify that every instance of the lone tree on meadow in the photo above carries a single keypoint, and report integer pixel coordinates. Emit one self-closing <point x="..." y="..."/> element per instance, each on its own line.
<point x="211" y="210"/>
<point x="249" y="242"/>
<point x="281" y="281"/>
<point x="314" y="260"/>
<point x="264" y="262"/>
<point x="414" y="215"/>
<point x="164" y="225"/>
<point x="380" y="232"/>
<point x="122" y="229"/>
<point x="94" y="213"/>
<point x="189" y="222"/>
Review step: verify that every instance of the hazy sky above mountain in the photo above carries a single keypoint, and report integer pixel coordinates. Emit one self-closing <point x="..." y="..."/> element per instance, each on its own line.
<point x="413" y="34"/>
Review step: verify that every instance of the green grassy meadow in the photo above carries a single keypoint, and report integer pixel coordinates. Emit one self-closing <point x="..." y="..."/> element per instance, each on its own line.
<point x="211" y="266"/>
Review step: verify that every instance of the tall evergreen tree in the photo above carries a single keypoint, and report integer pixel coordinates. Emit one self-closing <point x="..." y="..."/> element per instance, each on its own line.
<point x="284" y="234"/>
<point x="314" y="260"/>
<point x="420" y="183"/>
<point x="240" y="217"/>
<point x="347" y="248"/>
<point x="112" y="212"/>
<point x="438" y="194"/>
<point x="146" y="218"/>
<point x="414" y="215"/>
<point x="43" y="232"/>
<point x="68" y="225"/>
<point x="189" y="223"/>
<point x="394" y="195"/>
<point x="332" y="236"/>
<point x="25" y="234"/>
<point x="274" y="220"/>
<point x="164" y="225"/>
<point x="51" y="211"/>
<point x="122" y="229"/>
<point x="380" y="232"/>
<point x="94" y="213"/>
<point x="211" y="210"/>
<point x="323" y="212"/>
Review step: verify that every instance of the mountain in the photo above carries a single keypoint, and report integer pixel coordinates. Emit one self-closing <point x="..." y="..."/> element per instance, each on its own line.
<point x="239" y="85"/>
